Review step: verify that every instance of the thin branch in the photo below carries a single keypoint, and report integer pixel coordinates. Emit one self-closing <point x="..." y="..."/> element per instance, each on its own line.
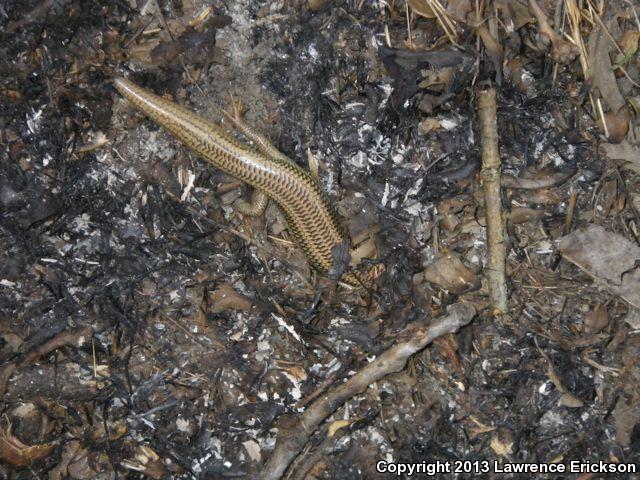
<point x="411" y="340"/>
<point x="491" y="172"/>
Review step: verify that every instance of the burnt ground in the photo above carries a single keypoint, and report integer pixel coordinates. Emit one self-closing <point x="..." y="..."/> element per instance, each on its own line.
<point x="148" y="330"/>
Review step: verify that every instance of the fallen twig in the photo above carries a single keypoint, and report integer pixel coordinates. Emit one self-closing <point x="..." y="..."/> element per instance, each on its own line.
<point x="529" y="183"/>
<point x="411" y="340"/>
<point x="496" y="245"/>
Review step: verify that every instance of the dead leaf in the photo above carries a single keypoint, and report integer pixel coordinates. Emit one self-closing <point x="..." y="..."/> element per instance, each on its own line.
<point x="422" y="8"/>
<point x="316" y="5"/>
<point x="365" y="249"/>
<point x="626" y="415"/>
<point x="600" y="72"/>
<point x="607" y="198"/>
<point x="459" y="10"/>
<point x="96" y="140"/>
<point x="297" y="372"/>
<point x="570" y="401"/>
<point x="520" y="215"/>
<point x="623" y="151"/>
<point x="629" y="45"/>
<point x="449" y="221"/>
<point x="226" y="298"/>
<point x="521" y="79"/>
<point x="515" y="14"/>
<point x="596" y="320"/>
<point x="13" y="95"/>
<point x="450" y="273"/>
<point x="532" y="179"/>
<point x="608" y="257"/>
<point x="12" y="342"/>
<point x="617" y="124"/>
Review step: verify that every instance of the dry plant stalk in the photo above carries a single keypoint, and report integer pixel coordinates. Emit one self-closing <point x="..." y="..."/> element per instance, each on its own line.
<point x="574" y="15"/>
<point x="434" y="9"/>
<point x="410" y="341"/>
<point x="562" y="51"/>
<point x="491" y="172"/>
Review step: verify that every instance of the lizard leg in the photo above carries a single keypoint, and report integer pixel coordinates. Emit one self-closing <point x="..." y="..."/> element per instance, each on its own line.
<point x="260" y="142"/>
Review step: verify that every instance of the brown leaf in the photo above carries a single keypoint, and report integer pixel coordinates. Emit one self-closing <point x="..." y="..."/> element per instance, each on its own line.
<point x="520" y="78"/>
<point x="226" y="298"/>
<point x="421" y="8"/>
<point x="596" y="320"/>
<point x="570" y="401"/>
<point x="622" y="151"/>
<point x="366" y="249"/>
<point x="450" y="273"/>
<point x="515" y="13"/>
<point x="600" y="73"/>
<point x="608" y="257"/>
<point x="608" y="197"/>
<point x="459" y="10"/>
<point x="626" y="415"/>
<point x="617" y="124"/>
<point x="629" y="45"/>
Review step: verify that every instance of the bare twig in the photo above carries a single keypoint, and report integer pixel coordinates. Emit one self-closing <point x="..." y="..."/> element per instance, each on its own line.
<point x="573" y="199"/>
<point x="491" y="171"/>
<point x="528" y="183"/>
<point x="411" y="340"/>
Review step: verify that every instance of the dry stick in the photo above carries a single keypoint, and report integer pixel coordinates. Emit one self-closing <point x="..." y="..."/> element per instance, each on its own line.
<point x="570" y="211"/>
<point x="410" y="341"/>
<point x="72" y="337"/>
<point x="496" y="246"/>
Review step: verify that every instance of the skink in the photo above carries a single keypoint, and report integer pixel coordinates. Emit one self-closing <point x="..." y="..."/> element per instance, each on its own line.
<point x="310" y="217"/>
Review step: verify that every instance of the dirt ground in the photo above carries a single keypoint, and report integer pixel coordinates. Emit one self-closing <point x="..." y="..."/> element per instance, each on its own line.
<point x="148" y="329"/>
